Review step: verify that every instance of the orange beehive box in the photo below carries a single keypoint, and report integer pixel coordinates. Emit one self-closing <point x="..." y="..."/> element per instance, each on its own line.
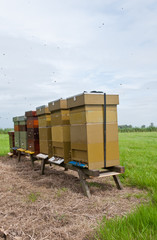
<point x="32" y="132"/>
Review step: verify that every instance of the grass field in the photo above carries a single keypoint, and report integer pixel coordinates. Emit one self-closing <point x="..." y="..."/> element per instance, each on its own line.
<point x="4" y="144"/>
<point x="138" y="153"/>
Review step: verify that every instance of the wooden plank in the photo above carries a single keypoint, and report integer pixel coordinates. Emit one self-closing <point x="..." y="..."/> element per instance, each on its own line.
<point x="119" y="169"/>
<point x="107" y="174"/>
<point x="10" y="154"/>
<point x="94" y="173"/>
<point x="41" y="156"/>
<point x="29" y="152"/>
<point x="21" y="149"/>
<point x="55" y="160"/>
<point x="118" y="183"/>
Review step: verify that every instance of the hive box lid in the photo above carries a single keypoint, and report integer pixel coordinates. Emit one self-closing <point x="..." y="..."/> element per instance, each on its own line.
<point x="22" y="118"/>
<point x="11" y="132"/>
<point x="58" y="104"/>
<point x="30" y="114"/>
<point x="42" y="110"/>
<point x="19" y="118"/>
<point x="92" y="99"/>
<point x="15" y="119"/>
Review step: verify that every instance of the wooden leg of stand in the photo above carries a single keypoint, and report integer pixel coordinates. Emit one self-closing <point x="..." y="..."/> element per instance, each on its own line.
<point x="32" y="160"/>
<point x="66" y="168"/>
<point x="84" y="184"/>
<point x="19" y="156"/>
<point x="43" y="166"/>
<point x="117" y="181"/>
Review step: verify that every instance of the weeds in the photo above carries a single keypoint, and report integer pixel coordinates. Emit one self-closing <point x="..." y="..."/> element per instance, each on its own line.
<point x="94" y="184"/>
<point x="32" y="197"/>
<point x="60" y="192"/>
<point x="136" y="195"/>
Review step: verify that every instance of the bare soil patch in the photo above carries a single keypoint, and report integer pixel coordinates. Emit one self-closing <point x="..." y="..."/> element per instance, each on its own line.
<point x="53" y="206"/>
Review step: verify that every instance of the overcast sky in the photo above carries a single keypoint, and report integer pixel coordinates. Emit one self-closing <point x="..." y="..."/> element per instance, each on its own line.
<point x="58" y="48"/>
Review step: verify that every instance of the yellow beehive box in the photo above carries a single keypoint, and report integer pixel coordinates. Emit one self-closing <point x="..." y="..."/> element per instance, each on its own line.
<point x="94" y="129"/>
<point x="60" y="128"/>
<point x="46" y="147"/>
<point x="44" y="120"/>
<point x="45" y="136"/>
<point x="45" y="133"/>
<point x="60" y="117"/>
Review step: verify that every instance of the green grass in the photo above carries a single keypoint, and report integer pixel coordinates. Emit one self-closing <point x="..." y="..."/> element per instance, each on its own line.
<point x="4" y="144"/>
<point x="141" y="225"/>
<point x="32" y="197"/>
<point x="95" y="184"/>
<point x="138" y="153"/>
<point x="60" y="192"/>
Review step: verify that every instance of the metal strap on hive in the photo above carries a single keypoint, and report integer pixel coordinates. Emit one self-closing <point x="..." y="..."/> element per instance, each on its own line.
<point x="105" y="130"/>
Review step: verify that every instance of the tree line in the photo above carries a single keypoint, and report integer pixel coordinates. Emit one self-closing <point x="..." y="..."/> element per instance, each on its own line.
<point x="5" y="130"/>
<point x="143" y="128"/>
<point x="121" y="128"/>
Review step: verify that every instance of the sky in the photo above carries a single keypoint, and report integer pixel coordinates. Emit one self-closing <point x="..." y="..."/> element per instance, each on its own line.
<point x="51" y="49"/>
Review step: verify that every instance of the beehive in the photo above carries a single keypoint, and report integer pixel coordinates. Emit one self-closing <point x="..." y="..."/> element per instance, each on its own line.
<point x="32" y="132"/>
<point x="44" y="121"/>
<point x="16" y="132"/>
<point x="23" y="131"/>
<point x="94" y="129"/>
<point x="11" y="141"/>
<point x="60" y="129"/>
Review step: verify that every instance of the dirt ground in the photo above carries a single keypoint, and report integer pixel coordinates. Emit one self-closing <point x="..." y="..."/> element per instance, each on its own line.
<point x="52" y="206"/>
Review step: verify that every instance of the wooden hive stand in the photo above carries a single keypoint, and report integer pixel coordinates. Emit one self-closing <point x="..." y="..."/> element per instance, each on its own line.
<point x="11" y="154"/>
<point x="85" y="173"/>
<point x="44" y="160"/>
<point x="24" y="151"/>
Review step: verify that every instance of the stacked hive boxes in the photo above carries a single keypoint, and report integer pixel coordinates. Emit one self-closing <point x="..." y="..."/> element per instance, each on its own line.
<point x="32" y="131"/>
<point x="94" y="129"/>
<point x="60" y="127"/>
<point x="44" y="121"/>
<point x="82" y="128"/>
<point x="11" y="141"/>
<point x="23" y="131"/>
<point x="17" y="132"/>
